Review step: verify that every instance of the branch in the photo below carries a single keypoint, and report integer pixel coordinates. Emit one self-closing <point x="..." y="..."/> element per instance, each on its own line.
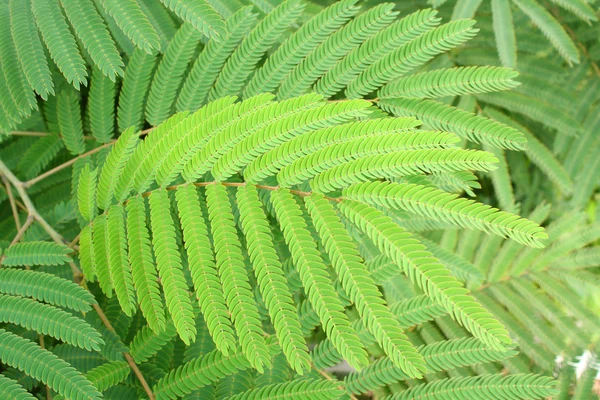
<point x="13" y="204"/>
<point x="20" y="186"/>
<point x="54" y="170"/>
<point x="127" y="356"/>
<point x="67" y="164"/>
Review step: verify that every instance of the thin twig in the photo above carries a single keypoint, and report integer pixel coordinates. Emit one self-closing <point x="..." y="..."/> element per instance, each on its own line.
<point x="67" y="164"/>
<point x="127" y="356"/>
<point x="242" y="184"/>
<point x="54" y="170"/>
<point x="19" y="235"/>
<point x="13" y="204"/>
<point x="33" y="213"/>
<point x="21" y="231"/>
<point x="329" y="378"/>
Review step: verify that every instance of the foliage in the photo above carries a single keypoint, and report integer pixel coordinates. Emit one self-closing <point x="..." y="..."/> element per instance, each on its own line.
<point x="299" y="199"/>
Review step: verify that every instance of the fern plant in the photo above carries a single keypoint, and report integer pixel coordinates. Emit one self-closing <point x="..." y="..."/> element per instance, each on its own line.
<point x="270" y="200"/>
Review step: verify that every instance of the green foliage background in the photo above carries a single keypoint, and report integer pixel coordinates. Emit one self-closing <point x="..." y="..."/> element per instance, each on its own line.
<point x="259" y="199"/>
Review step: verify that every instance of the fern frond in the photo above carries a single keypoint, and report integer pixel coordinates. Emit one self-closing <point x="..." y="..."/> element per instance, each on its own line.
<point x="86" y="254"/>
<point x="136" y="83"/>
<point x="551" y="28"/>
<point x="140" y="169"/>
<point x="19" y="89"/>
<point x="113" y="166"/>
<point x="430" y="202"/>
<point x="46" y="367"/>
<point x="39" y="155"/>
<point x="59" y="40"/>
<point x="319" y="161"/>
<point x="202" y="371"/>
<point x="162" y="21"/>
<point x="535" y="109"/>
<point x="565" y="296"/>
<point x="147" y="342"/>
<point x="240" y="125"/>
<point x="334" y="48"/>
<point x="315" y="278"/>
<point x="462" y="269"/>
<point x="169" y="74"/>
<point x="36" y="253"/>
<point x="299" y="45"/>
<point x="260" y="39"/>
<point x="49" y="320"/>
<point x="206" y="68"/>
<point x="200" y="15"/>
<point x="286" y="153"/>
<point x="528" y="317"/>
<point x="29" y="48"/>
<point x="92" y="32"/>
<point x="188" y="138"/>
<point x="134" y="23"/>
<point x="451" y="82"/>
<point x="411" y="55"/>
<point x="209" y="291"/>
<point x="300" y="389"/>
<point x="400" y="163"/>
<point x="517" y="386"/>
<point x="144" y="272"/>
<point x="271" y="279"/>
<point x="539" y="154"/>
<point x="463" y="123"/>
<point x="355" y="279"/>
<point x="439" y="356"/>
<point x="423" y="269"/>
<point x="465" y="9"/>
<point x="501" y="179"/>
<point x="100" y="241"/>
<point x="234" y="278"/>
<point x="541" y="302"/>
<point x="11" y="389"/>
<point x="119" y="269"/>
<point x="86" y="193"/>
<point x="373" y="49"/>
<point x="579" y="8"/>
<point x="170" y="270"/>
<point x="108" y="375"/>
<point x="526" y="341"/>
<point x="284" y="129"/>
<point x="416" y="310"/>
<point x="101" y="105"/>
<point x="504" y="32"/>
<point x="45" y="287"/>
<point x="69" y="121"/>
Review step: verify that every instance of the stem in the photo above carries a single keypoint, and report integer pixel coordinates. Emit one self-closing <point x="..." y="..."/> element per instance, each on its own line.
<point x="19" y="235"/>
<point x="20" y="186"/>
<point x="54" y="170"/>
<point x="13" y="204"/>
<point x="127" y="356"/>
<point x="329" y="378"/>
<point x="242" y="184"/>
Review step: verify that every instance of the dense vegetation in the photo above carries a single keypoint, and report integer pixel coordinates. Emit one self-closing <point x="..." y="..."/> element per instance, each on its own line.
<point x="240" y="199"/>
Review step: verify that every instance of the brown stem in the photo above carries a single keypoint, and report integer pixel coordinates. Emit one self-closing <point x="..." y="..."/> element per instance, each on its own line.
<point x="13" y="204"/>
<point x="19" y="235"/>
<point x="54" y="170"/>
<point x="242" y="184"/>
<point x="127" y="356"/>
<point x="329" y="378"/>
<point x="29" y="204"/>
